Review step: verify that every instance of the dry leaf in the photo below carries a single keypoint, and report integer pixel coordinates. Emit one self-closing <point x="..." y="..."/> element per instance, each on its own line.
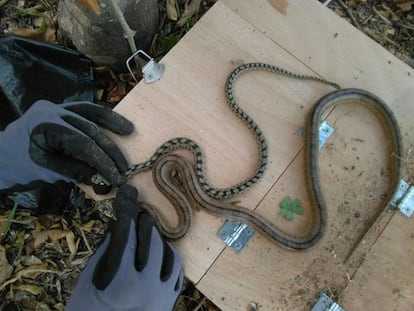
<point x="92" y="5"/>
<point x="26" y="32"/>
<point x="48" y="34"/>
<point x="189" y="12"/>
<point x="55" y="234"/>
<point x="172" y="10"/>
<point x="33" y="271"/>
<point x="116" y="93"/>
<point x="72" y="244"/>
<point x="88" y="226"/>
<point x="30" y="260"/>
<point x="3" y="225"/>
<point x="40" y="238"/>
<point x="406" y="6"/>
<point x="5" y="268"/>
<point x="33" y="289"/>
<point x="19" y="242"/>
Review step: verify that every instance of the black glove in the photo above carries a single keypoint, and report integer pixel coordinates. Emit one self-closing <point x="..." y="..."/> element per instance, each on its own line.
<point x="134" y="269"/>
<point x="61" y="142"/>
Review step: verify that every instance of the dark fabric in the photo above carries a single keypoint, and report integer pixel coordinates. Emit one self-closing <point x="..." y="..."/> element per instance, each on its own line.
<point x="31" y="70"/>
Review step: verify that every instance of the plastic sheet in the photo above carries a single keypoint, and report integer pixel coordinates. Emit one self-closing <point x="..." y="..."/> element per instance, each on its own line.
<point x="32" y="70"/>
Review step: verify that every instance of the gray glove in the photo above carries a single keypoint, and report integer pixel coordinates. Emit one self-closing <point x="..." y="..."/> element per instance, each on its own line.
<point x="134" y="269"/>
<point x="61" y="142"/>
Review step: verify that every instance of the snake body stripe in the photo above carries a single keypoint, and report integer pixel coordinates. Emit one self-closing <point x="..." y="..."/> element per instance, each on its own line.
<point x="177" y="181"/>
<point x="188" y="144"/>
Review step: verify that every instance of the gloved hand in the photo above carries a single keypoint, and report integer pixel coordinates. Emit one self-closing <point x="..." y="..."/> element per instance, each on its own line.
<point x="61" y="142"/>
<point x="134" y="269"/>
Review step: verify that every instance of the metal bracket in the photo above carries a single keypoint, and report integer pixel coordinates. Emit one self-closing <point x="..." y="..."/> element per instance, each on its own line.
<point x="404" y="199"/>
<point x="325" y="303"/>
<point x="325" y="131"/>
<point x="152" y="71"/>
<point x="235" y="234"/>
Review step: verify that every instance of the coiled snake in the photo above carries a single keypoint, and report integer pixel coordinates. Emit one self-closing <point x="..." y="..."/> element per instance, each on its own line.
<point x="185" y="186"/>
<point x="199" y="167"/>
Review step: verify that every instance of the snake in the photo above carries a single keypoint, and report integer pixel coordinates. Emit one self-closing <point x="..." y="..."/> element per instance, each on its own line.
<point x="185" y="185"/>
<point x="176" y="179"/>
<point x="189" y="144"/>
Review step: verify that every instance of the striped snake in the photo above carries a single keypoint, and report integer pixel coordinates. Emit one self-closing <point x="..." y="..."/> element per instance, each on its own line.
<point x="175" y="178"/>
<point x="188" y="144"/>
<point x="184" y="186"/>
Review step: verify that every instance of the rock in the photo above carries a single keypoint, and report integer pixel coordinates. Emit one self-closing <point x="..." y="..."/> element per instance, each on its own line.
<point x="100" y="37"/>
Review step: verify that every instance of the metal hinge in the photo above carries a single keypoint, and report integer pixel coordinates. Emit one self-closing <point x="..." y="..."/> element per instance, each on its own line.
<point x="235" y="234"/>
<point x="325" y="131"/>
<point x="325" y="303"/>
<point x="152" y="71"/>
<point x="404" y="199"/>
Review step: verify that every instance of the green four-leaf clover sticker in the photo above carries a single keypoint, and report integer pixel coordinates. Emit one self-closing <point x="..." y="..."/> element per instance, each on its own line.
<point x="289" y="207"/>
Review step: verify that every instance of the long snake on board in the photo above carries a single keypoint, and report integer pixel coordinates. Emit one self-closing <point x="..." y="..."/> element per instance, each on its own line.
<point x="185" y="186"/>
<point x="199" y="167"/>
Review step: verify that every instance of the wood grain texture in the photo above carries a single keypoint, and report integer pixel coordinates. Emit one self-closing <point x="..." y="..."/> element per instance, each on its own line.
<point x="304" y="37"/>
<point x="385" y="279"/>
<point x="189" y="101"/>
<point x="354" y="164"/>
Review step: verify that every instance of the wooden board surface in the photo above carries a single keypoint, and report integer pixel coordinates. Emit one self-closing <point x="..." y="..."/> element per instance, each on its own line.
<point x="304" y="37"/>
<point x="189" y="101"/>
<point x="332" y="48"/>
<point x="385" y="279"/>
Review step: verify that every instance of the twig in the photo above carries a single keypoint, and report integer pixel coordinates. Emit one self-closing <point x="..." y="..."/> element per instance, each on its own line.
<point x="386" y="20"/>
<point x="192" y="9"/>
<point x="406" y="25"/>
<point x="379" y="38"/>
<point x="85" y="240"/>
<point x="9" y="221"/>
<point x="350" y="14"/>
<point x="393" y="15"/>
<point x="129" y="34"/>
<point x="23" y="272"/>
<point x="200" y="304"/>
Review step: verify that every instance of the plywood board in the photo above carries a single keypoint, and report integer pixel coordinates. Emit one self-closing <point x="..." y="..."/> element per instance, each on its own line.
<point x="385" y="279"/>
<point x="189" y="101"/>
<point x="353" y="184"/>
<point x="304" y="37"/>
<point x="285" y="281"/>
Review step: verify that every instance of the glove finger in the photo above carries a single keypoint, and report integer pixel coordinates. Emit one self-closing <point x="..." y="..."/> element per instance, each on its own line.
<point x="57" y="138"/>
<point x="125" y="205"/>
<point x="144" y="227"/>
<point x="83" y="296"/>
<point x="177" y="272"/>
<point x="166" y="261"/>
<point x="106" y="144"/>
<point x="103" y="117"/>
<point x="63" y="165"/>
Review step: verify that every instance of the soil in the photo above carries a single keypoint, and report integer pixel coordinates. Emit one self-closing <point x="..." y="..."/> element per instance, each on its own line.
<point x="37" y="245"/>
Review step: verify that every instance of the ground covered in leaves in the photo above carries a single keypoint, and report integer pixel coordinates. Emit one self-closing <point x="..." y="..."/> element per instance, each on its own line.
<point x="41" y="256"/>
